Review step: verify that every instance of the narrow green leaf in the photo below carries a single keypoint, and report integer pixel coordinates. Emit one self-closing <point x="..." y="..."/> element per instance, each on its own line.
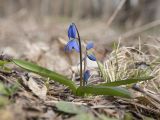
<point x="71" y="108"/>
<point x="46" y="73"/>
<point x="127" y="81"/>
<point x="103" y="90"/>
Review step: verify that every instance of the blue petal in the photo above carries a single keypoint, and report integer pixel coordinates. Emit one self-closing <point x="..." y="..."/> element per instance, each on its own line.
<point x="67" y="48"/>
<point x="89" y="45"/>
<point x="72" y="31"/>
<point x="72" y="44"/>
<point x="86" y="75"/>
<point x="76" y="46"/>
<point x="91" y="57"/>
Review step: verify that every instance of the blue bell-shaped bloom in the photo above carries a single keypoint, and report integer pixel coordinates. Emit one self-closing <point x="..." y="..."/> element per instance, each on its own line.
<point x="72" y="31"/>
<point x="89" y="45"/>
<point x="91" y="57"/>
<point x="72" y="44"/>
<point x="86" y="75"/>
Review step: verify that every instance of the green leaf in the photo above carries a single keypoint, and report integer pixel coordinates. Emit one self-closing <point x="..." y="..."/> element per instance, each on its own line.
<point x="12" y="89"/>
<point x="3" y="90"/>
<point x="8" y="90"/>
<point x="2" y="62"/>
<point x="84" y="116"/>
<point x="127" y="81"/>
<point x="103" y="90"/>
<point x="69" y="107"/>
<point x="46" y="73"/>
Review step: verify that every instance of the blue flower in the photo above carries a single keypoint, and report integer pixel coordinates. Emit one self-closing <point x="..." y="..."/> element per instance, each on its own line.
<point x="86" y="75"/>
<point x="72" y="44"/>
<point x="89" y="45"/>
<point x="90" y="55"/>
<point x="72" y="31"/>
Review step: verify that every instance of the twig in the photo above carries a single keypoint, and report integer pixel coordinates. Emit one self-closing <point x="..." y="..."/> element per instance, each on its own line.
<point x="140" y="106"/>
<point x="109" y="106"/>
<point x="140" y="29"/>
<point x="6" y="72"/>
<point x="137" y="88"/>
<point x="55" y="102"/>
<point x="115" y="12"/>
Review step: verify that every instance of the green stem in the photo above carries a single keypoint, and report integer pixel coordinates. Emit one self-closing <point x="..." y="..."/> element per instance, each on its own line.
<point x="80" y="55"/>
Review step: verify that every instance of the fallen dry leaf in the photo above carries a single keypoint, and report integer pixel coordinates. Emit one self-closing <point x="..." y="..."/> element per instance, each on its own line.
<point x="37" y="86"/>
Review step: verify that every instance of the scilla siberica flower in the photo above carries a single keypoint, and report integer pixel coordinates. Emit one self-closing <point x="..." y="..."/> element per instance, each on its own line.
<point x="90" y="55"/>
<point x="86" y="76"/>
<point x="72" y="43"/>
<point x="75" y="43"/>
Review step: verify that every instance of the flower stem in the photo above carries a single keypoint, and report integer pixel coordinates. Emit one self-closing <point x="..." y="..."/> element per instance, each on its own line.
<point x="85" y="63"/>
<point x="80" y="55"/>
